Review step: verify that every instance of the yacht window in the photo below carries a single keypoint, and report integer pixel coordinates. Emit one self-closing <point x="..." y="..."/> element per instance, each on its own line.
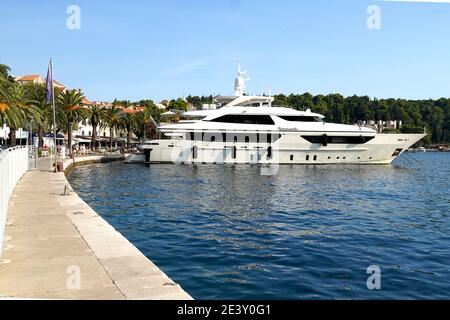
<point x="213" y="137"/>
<point x="307" y="158"/>
<point x="338" y="139"/>
<point x="245" y="119"/>
<point x="301" y="118"/>
<point x="292" y="157"/>
<point x="269" y="152"/>
<point x="271" y="138"/>
<point x="210" y="136"/>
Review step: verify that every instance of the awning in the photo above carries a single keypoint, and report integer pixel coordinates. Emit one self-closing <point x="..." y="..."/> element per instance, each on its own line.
<point x="80" y="140"/>
<point x="50" y="136"/>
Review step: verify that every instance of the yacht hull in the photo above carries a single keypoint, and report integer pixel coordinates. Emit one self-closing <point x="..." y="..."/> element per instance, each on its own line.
<point x="290" y="149"/>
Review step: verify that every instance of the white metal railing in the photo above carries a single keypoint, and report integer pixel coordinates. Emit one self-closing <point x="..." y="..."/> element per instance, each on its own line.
<point x="13" y="165"/>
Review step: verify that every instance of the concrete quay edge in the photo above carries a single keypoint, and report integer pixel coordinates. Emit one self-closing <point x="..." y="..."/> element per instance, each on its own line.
<point x="131" y="271"/>
<point x="112" y="267"/>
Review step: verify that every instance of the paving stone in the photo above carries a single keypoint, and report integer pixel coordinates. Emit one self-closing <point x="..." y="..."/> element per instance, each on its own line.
<point x="49" y="247"/>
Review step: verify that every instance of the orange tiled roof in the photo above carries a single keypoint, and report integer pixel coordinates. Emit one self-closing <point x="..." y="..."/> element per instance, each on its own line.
<point x="128" y="110"/>
<point x="102" y="104"/>
<point x="29" y="77"/>
<point x="86" y="101"/>
<point x="59" y="84"/>
<point x="75" y="107"/>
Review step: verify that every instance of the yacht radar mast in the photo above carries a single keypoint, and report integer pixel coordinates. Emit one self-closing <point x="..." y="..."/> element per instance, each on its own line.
<point x="239" y="84"/>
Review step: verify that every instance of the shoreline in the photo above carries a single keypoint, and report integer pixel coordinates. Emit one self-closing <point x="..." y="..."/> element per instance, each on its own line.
<point x="54" y="230"/>
<point x="70" y="164"/>
<point x="113" y="234"/>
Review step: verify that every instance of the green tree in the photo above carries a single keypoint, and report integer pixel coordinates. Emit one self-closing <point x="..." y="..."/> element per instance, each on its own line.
<point x="9" y="112"/>
<point x="112" y="119"/>
<point x="144" y="123"/>
<point x="4" y="71"/>
<point x="95" y="114"/>
<point x="26" y="112"/>
<point x="320" y="105"/>
<point x="280" y="100"/>
<point x="129" y="120"/>
<point x="70" y="105"/>
<point x="178" y="104"/>
<point x="36" y="97"/>
<point x="155" y="112"/>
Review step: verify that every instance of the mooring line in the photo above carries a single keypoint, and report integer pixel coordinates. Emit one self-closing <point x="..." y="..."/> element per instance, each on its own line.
<point x="409" y="158"/>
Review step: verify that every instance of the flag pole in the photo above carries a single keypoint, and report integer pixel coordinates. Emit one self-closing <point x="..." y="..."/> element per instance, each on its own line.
<point x="54" y="113"/>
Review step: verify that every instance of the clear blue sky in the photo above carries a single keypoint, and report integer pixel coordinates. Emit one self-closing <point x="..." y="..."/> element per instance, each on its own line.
<point x="165" y="49"/>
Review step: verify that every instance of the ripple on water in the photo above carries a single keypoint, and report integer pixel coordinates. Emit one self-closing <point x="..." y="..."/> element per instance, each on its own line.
<point x="306" y="233"/>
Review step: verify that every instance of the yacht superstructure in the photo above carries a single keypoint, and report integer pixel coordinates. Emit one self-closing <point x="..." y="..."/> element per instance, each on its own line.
<point x="248" y="130"/>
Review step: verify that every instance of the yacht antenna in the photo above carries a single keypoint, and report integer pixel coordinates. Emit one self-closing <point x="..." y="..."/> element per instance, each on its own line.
<point x="239" y="83"/>
<point x="270" y="95"/>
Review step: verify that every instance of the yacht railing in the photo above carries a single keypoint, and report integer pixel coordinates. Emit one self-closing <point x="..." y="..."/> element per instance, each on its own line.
<point x="13" y="165"/>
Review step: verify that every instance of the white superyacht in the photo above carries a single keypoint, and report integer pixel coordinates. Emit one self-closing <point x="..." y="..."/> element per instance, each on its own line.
<point x="248" y="130"/>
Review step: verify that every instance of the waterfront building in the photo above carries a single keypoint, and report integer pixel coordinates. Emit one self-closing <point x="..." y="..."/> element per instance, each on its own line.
<point x="37" y="79"/>
<point x="22" y="135"/>
<point x="31" y="78"/>
<point x="209" y="106"/>
<point x="161" y="106"/>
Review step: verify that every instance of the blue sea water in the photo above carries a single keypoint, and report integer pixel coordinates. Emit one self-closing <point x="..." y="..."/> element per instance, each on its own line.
<point x="308" y="232"/>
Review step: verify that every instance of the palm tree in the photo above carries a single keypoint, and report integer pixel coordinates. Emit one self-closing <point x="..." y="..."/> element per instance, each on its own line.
<point x="24" y="111"/>
<point x="144" y="121"/>
<point x="95" y="115"/>
<point x="15" y="107"/>
<point x="129" y="121"/>
<point x="36" y="97"/>
<point x="112" y="119"/>
<point x="9" y="114"/>
<point x="4" y="71"/>
<point x="71" y="106"/>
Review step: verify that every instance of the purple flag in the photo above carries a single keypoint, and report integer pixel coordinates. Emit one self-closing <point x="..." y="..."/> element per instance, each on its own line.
<point x="49" y="96"/>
